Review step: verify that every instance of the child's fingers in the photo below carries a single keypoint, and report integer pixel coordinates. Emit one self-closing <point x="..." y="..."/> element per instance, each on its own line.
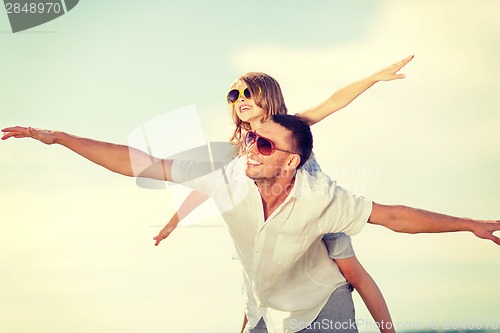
<point x="404" y="61"/>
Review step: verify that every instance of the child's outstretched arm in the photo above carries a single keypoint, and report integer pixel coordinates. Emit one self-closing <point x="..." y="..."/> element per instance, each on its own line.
<point x="346" y="95"/>
<point x="368" y="290"/>
<point x="193" y="200"/>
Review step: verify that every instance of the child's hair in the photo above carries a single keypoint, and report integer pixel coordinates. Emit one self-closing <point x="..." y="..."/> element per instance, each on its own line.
<point x="267" y="95"/>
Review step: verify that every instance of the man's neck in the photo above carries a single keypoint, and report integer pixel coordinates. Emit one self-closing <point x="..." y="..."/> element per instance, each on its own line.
<point x="274" y="192"/>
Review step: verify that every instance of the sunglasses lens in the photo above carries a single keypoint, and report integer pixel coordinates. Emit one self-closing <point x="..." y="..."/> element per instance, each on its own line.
<point x="232" y="96"/>
<point x="249" y="138"/>
<point x="247" y="94"/>
<point x="264" y="146"/>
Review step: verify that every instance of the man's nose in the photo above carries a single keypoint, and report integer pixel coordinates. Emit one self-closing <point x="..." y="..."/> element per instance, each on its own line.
<point x="252" y="148"/>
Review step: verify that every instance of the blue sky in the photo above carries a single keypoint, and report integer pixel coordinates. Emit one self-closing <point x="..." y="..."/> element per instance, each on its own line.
<point x="76" y="249"/>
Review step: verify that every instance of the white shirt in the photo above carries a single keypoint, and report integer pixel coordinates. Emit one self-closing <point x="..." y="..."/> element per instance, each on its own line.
<point x="286" y="269"/>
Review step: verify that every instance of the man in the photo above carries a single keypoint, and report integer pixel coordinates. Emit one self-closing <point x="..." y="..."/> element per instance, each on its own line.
<point x="276" y="214"/>
<point x="277" y="219"/>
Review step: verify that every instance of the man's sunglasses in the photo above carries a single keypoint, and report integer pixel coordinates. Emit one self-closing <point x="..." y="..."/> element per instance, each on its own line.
<point x="234" y="94"/>
<point x="265" y="146"/>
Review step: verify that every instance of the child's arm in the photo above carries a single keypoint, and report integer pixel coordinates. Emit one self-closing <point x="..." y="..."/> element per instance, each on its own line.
<point x="368" y="290"/>
<point x="193" y="200"/>
<point x="346" y="95"/>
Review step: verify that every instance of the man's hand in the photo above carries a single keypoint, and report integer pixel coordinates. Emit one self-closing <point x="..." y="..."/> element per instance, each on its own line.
<point x="42" y="135"/>
<point x="485" y="230"/>
<point x="390" y="73"/>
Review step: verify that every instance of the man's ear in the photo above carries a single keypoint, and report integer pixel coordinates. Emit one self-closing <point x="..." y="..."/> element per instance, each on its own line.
<point x="293" y="161"/>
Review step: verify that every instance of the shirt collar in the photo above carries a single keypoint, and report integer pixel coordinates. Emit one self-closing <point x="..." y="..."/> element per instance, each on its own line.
<point x="299" y="187"/>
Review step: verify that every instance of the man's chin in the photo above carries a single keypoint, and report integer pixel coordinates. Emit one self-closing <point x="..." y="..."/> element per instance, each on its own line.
<point x="250" y="174"/>
<point x="254" y="174"/>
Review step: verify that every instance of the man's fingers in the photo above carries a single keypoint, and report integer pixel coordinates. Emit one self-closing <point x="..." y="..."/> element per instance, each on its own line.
<point x="496" y="228"/>
<point x="10" y="129"/>
<point x="11" y="134"/>
<point x="16" y="132"/>
<point x="14" y="129"/>
<point x="487" y="231"/>
<point x="495" y="239"/>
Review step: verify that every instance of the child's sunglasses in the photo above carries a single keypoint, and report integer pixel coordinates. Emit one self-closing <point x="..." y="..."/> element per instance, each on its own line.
<point x="234" y="94"/>
<point x="265" y="146"/>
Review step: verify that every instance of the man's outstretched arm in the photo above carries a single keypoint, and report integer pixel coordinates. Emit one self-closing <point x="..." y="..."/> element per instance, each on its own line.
<point x="412" y="221"/>
<point x="114" y="157"/>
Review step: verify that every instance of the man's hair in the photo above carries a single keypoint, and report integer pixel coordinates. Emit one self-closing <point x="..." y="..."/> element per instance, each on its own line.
<point x="302" y="140"/>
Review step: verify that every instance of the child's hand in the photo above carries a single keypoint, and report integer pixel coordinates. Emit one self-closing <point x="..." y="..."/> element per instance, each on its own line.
<point x="390" y="73"/>
<point x="164" y="233"/>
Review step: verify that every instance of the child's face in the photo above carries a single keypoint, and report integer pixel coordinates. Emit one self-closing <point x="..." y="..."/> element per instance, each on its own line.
<point x="245" y="108"/>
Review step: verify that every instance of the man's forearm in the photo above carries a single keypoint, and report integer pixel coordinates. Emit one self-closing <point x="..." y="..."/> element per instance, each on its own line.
<point x="412" y="221"/>
<point x="114" y="157"/>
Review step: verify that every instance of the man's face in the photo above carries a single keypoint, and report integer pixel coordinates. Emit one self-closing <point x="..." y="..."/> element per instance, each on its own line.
<point x="261" y="167"/>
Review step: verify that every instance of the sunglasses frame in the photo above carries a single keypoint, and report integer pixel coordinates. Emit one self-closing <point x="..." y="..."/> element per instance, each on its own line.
<point x="240" y="92"/>
<point x="255" y="140"/>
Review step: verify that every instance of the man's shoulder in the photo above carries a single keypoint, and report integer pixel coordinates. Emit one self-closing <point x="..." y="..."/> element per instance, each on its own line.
<point x="318" y="184"/>
<point x="315" y="183"/>
<point x="337" y="209"/>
